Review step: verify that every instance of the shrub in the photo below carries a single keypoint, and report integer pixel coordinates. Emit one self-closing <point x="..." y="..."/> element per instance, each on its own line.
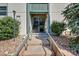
<point x="75" y="44"/>
<point x="71" y="15"/>
<point x="42" y="28"/>
<point x="7" y="27"/>
<point x="57" y="27"/>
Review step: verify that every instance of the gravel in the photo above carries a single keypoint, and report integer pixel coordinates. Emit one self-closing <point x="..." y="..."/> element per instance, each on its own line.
<point x="8" y="46"/>
<point x="63" y="43"/>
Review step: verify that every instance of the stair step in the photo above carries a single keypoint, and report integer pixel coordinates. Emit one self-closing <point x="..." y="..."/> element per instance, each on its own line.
<point x="35" y="41"/>
<point x="34" y="51"/>
<point x="38" y="46"/>
<point x="48" y="52"/>
<point x="34" y="44"/>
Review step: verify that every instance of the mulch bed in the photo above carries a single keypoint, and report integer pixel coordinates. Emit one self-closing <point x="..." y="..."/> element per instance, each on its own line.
<point x="63" y="43"/>
<point x="8" y="46"/>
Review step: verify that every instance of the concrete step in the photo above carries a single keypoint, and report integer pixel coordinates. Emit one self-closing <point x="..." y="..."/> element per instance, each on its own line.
<point x="48" y="51"/>
<point x="38" y="46"/>
<point x="38" y="41"/>
<point x="37" y="51"/>
<point x="34" y="42"/>
<point x="40" y="34"/>
<point x="34" y="51"/>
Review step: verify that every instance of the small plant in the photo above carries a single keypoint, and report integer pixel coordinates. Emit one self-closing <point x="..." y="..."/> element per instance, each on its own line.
<point x="75" y="44"/>
<point x="57" y="27"/>
<point x="7" y="27"/>
<point x="42" y="28"/>
<point x="75" y="47"/>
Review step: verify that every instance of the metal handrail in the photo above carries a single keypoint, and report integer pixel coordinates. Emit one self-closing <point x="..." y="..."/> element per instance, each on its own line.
<point x="23" y="44"/>
<point x="54" y="46"/>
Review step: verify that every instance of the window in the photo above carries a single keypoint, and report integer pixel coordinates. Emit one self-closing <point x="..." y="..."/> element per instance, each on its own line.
<point x="3" y="10"/>
<point x="38" y="7"/>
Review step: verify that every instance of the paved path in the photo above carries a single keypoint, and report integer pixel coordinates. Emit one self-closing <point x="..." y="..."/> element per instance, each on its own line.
<point x="38" y="46"/>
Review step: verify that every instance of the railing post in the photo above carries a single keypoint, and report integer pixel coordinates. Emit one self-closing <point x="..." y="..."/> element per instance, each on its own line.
<point x="25" y="43"/>
<point x="14" y="13"/>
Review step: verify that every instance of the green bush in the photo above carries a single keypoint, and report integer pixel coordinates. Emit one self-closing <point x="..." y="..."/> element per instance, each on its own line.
<point x="71" y="15"/>
<point x="7" y="27"/>
<point x="57" y="27"/>
<point x="42" y="28"/>
<point x="75" y="44"/>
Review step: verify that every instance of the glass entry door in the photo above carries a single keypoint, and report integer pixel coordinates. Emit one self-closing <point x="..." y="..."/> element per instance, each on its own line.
<point x="38" y="24"/>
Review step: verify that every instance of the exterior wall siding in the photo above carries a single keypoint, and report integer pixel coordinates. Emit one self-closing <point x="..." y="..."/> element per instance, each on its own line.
<point x="20" y="9"/>
<point x="55" y="10"/>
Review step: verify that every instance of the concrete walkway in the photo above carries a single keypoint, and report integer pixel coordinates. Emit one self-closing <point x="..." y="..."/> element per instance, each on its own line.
<point x="38" y="46"/>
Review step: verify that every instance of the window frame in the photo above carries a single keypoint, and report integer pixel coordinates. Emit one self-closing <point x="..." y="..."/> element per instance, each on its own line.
<point x="3" y="12"/>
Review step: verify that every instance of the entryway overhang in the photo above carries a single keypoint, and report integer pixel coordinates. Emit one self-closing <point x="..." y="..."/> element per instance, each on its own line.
<point x="38" y="7"/>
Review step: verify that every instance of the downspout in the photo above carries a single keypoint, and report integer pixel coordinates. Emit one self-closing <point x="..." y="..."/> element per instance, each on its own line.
<point x="49" y="19"/>
<point x="29" y="29"/>
<point x="27" y="17"/>
<point x="7" y="9"/>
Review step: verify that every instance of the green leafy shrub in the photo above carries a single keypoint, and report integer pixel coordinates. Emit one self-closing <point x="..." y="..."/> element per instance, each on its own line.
<point x="75" y="47"/>
<point x="71" y="14"/>
<point x="7" y="27"/>
<point x="42" y="28"/>
<point x="75" y="44"/>
<point x="57" y="27"/>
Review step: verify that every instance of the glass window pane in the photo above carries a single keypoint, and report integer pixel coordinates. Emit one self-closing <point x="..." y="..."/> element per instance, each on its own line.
<point x="3" y="10"/>
<point x="3" y="13"/>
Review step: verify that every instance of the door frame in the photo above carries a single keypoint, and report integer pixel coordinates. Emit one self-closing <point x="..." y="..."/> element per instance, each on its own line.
<point x="38" y="24"/>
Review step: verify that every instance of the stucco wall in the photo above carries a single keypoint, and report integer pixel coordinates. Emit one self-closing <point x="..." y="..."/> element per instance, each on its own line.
<point x="55" y="10"/>
<point x="20" y="9"/>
